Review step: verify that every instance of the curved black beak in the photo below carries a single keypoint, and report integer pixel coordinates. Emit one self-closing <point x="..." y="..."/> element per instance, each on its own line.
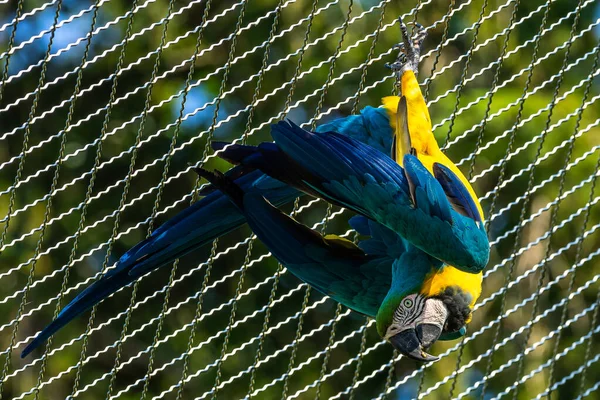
<point x="407" y="343"/>
<point x="428" y="334"/>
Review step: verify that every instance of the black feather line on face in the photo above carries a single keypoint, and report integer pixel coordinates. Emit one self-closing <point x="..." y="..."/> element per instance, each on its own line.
<point x="458" y="304"/>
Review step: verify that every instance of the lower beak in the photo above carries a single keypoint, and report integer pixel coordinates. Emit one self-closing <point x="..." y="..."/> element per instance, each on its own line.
<point x="428" y="334"/>
<point x="407" y="343"/>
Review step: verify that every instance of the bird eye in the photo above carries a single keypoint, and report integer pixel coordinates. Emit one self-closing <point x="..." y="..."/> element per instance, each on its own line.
<point x="408" y="303"/>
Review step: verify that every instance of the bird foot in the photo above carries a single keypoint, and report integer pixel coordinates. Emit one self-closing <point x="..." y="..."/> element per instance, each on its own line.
<point x="409" y="50"/>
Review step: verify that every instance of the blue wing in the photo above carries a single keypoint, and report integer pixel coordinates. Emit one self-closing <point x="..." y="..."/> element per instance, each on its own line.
<point x="205" y="220"/>
<point x="371" y="127"/>
<point x="211" y="217"/>
<point x="358" y="277"/>
<point x="347" y="172"/>
<point x="457" y="193"/>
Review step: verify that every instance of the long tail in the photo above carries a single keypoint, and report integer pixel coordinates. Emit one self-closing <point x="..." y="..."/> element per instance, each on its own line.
<point x="207" y="219"/>
<point x="214" y="215"/>
<point x="93" y="294"/>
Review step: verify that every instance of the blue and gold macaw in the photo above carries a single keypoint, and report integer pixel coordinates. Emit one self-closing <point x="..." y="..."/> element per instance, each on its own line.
<point x="364" y="278"/>
<point x="433" y="213"/>
<point x="402" y="125"/>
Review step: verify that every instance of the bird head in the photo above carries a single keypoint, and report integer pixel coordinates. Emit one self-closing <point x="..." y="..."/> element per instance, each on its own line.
<point x="417" y="321"/>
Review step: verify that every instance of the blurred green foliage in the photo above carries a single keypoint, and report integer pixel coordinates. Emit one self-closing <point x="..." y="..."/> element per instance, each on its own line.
<point x="48" y="233"/>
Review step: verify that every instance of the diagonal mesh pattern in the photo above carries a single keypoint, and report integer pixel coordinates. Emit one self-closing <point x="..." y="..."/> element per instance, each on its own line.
<point x="104" y="104"/>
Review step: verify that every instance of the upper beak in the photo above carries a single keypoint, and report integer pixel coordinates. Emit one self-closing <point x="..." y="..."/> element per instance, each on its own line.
<point x="407" y="343"/>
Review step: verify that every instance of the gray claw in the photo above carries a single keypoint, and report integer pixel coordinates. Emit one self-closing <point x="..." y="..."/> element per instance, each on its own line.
<point x="418" y="37"/>
<point x="409" y="49"/>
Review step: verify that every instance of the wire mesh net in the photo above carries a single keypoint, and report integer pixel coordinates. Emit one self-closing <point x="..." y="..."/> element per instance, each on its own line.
<point x="105" y="104"/>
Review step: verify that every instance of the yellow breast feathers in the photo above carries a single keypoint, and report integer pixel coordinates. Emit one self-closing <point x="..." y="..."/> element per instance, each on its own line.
<point x="428" y="152"/>
<point x="419" y="127"/>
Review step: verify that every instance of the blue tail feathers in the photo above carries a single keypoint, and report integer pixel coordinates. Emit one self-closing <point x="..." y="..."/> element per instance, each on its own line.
<point x="215" y="215"/>
<point x="92" y="295"/>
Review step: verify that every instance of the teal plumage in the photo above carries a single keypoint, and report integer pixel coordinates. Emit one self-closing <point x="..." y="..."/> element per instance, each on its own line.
<point x="371" y="126"/>
<point x="371" y="278"/>
<point x="360" y="277"/>
<point x="409" y="200"/>
<point x="209" y="218"/>
<point x="433" y="213"/>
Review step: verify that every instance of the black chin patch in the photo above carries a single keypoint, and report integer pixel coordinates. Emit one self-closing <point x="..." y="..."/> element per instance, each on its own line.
<point x="457" y="302"/>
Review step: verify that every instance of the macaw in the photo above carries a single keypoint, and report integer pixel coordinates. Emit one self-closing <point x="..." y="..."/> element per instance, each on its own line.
<point x="434" y="213"/>
<point x="459" y="289"/>
<point x="212" y="216"/>
<point x="215" y="215"/>
<point x="381" y="277"/>
<point x="364" y="278"/>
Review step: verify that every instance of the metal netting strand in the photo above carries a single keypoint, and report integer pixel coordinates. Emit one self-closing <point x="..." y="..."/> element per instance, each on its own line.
<point x="48" y="207"/>
<point x="510" y="271"/>
<point x="361" y="85"/>
<point x="247" y="258"/>
<point x="6" y="56"/>
<point x="90" y="188"/>
<point x="2" y="85"/>
<point x="138" y="138"/>
<point x="89" y="191"/>
<point x="286" y="108"/>
<point x="150" y="229"/>
<point x="515" y="83"/>
<point x="329" y="210"/>
<point x="82" y="219"/>
<point x="250" y="243"/>
<point x="199" y="304"/>
<point x="465" y="70"/>
<point x="478" y="146"/>
<point x="461" y="85"/>
<point x="273" y="291"/>
<point x="560" y="188"/>
<point x="580" y="244"/>
<point x="438" y="51"/>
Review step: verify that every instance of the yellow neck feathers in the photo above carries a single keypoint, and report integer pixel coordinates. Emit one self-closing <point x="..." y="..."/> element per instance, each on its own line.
<point x="428" y="152"/>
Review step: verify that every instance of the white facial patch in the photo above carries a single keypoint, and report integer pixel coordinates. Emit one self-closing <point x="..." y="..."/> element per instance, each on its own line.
<point x="435" y="313"/>
<point x="414" y="310"/>
<point x="407" y="314"/>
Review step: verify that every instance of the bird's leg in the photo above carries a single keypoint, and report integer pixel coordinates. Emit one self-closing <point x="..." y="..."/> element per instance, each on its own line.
<point x="409" y="49"/>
